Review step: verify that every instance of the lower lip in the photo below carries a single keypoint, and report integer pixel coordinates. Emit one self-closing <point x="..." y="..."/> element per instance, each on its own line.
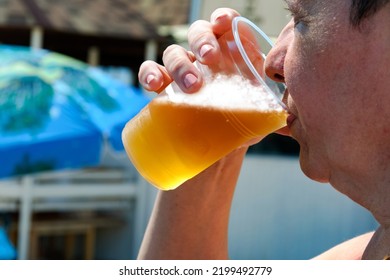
<point x="290" y="120"/>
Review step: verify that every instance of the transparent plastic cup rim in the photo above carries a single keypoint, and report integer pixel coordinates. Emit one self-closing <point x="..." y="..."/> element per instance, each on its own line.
<point x="244" y="55"/>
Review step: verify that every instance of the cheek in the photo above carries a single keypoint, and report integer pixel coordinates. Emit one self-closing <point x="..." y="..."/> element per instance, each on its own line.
<point x="313" y="77"/>
<point x="314" y="100"/>
<point x="302" y="82"/>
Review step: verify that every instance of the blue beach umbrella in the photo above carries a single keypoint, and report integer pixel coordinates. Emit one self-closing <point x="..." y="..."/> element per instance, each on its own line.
<point x="57" y="112"/>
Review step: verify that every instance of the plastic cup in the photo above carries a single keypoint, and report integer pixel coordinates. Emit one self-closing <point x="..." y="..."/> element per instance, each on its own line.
<point x="178" y="135"/>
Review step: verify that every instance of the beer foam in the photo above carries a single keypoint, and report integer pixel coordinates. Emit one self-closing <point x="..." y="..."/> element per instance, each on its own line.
<point x="230" y="92"/>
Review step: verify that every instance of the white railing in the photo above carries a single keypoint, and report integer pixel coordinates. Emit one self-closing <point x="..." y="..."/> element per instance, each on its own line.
<point x="93" y="189"/>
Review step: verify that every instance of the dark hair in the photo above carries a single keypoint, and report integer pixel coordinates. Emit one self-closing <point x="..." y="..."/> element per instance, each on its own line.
<point x="362" y="9"/>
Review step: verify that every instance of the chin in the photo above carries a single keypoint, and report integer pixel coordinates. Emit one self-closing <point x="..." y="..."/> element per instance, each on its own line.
<point x="285" y="131"/>
<point x="313" y="171"/>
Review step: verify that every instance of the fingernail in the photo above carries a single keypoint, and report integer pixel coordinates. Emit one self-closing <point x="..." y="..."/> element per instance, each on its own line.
<point x="190" y="80"/>
<point x="205" y="49"/>
<point x="150" y="78"/>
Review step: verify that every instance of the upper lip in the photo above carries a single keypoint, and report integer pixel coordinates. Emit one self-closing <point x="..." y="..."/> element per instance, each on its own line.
<point x="290" y="118"/>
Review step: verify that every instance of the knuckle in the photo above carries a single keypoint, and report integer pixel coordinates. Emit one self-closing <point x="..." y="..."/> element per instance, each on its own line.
<point x="171" y="49"/>
<point x="175" y="59"/>
<point x="147" y="64"/>
<point x="225" y="11"/>
<point x="176" y="64"/>
<point x="196" y="24"/>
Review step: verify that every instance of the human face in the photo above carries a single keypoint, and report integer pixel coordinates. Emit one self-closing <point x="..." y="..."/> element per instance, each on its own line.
<point x="338" y="90"/>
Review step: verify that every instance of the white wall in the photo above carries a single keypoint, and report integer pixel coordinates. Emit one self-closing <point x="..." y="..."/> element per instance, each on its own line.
<point x="278" y="213"/>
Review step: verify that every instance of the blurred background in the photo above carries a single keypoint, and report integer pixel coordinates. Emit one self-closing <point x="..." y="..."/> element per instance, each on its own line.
<point x="68" y="84"/>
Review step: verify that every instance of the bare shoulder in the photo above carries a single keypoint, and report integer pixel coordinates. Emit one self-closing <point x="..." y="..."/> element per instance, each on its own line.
<point x="352" y="249"/>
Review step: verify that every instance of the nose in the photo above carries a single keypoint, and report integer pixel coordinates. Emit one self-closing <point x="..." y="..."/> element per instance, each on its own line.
<point x="274" y="64"/>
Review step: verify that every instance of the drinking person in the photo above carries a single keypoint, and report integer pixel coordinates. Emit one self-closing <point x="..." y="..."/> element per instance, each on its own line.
<point x="333" y="57"/>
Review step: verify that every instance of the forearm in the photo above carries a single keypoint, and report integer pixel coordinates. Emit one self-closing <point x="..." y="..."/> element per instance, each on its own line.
<point x="191" y="222"/>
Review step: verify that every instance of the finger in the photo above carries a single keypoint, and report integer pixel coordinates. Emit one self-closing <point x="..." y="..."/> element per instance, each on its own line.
<point x="179" y="65"/>
<point x="203" y="42"/>
<point x="221" y="20"/>
<point x="203" y="37"/>
<point x="153" y="77"/>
